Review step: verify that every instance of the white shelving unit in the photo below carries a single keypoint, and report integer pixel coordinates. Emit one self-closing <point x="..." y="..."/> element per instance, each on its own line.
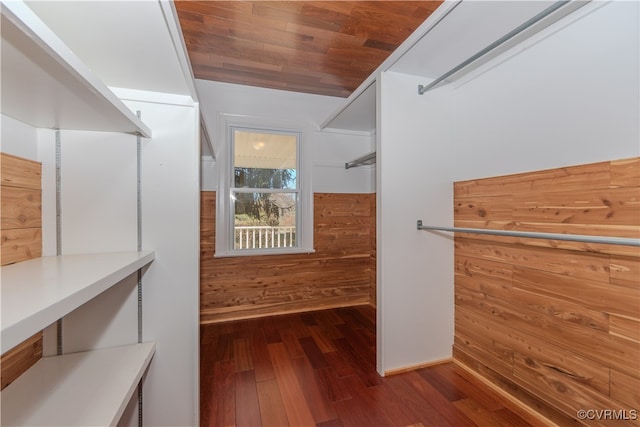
<point x="45" y="85"/>
<point x="79" y="389"/>
<point x="358" y="112"/>
<point x="37" y="292"/>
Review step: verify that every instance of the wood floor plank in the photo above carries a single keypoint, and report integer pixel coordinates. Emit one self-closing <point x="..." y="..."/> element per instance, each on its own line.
<point x="339" y="364"/>
<point x="335" y="389"/>
<point x="331" y="423"/>
<point x="223" y="402"/>
<point x="292" y="343"/>
<point x="242" y="355"/>
<point x="353" y="318"/>
<point x="328" y="317"/>
<point x="447" y="376"/>
<point x="298" y="326"/>
<point x="438" y="401"/>
<point x="322" y="341"/>
<point x="416" y="403"/>
<point x="360" y="343"/>
<point x="313" y="353"/>
<point x="223" y="348"/>
<point x="362" y="409"/>
<point x="510" y="418"/>
<point x="247" y="406"/>
<point x="207" y="384"/>
<point x="308" y="319"/>
<point x="261" y="358"/>
<point x="360" y="365"/>
<point x="393" y="407"/>
<point x="296" y="407"/>
<point x="445" y="387"/>
<point x="318" y="369"/>
<point x="319" y="404"/>
<point x="271" y="406"/>
<point x="270" y="329"/>
<point x="450" y="374"/>
<point x="480" y="414"/>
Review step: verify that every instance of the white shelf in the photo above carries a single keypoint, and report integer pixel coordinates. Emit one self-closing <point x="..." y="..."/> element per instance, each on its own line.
<point x="45" y="85"/>
<point x="357" y="114"/>
<point x="80" y="389"/>
<point x="37" y="292"/>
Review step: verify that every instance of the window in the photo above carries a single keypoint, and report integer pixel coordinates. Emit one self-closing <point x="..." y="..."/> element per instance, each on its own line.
<point x="264" y="198"/>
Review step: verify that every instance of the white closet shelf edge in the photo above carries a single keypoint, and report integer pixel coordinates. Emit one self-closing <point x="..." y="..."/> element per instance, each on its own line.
<point x="89" y="388"/>
<point x="37" y="292"/>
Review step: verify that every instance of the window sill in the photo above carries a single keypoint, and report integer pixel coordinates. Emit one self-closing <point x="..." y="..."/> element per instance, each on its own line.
<point x="264" y="252"/>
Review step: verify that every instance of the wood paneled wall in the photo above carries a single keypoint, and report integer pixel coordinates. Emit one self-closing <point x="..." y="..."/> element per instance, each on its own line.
<point x="337" y="274"/>
<point x="21" y="209"/>
<point x="21" y="229"/>
<point x="555" y="324"/>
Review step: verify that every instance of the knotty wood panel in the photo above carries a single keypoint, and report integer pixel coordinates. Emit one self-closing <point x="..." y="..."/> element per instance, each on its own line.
<point x="338" y="274"/>
<point x="595" y="175"/>
<point x="21" y="225"/>
<point x="625" y="173"/>
<point x="21" y="208"/>
<point x="20" y="244"/>
<point x="21" y="230"/>
<point x="624" y="327"/>
<point x="556" y="325"/>
<point x="20" y="358"/>
<point x="19" y="172"/>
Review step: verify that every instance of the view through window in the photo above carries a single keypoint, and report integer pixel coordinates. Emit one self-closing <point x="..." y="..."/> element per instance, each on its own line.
<point x="264" y="193"/>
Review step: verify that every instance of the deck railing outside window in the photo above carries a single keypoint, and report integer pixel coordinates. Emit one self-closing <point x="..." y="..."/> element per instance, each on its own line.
<point x="262" y="237"/>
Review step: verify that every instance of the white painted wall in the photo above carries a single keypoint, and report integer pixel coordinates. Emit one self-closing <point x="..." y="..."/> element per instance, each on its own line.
<point x="331" y="149"/>
<point x="415" y="293"/>
<point x="98" y="214"/>
<point x="17" y="138"/>
<point x="569" y="96"/>
<point x="98" y="176"/>
<point x="171" y="226"/>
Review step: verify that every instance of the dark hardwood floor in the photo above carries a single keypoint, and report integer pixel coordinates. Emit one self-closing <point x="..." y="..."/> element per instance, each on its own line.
<point x="318" y="369"/>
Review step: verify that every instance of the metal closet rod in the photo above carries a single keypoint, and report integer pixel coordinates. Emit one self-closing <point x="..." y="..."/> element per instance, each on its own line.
<point x="511" y="34"/>
<point x="623" y="241"/>
<point x="360" y="160"/>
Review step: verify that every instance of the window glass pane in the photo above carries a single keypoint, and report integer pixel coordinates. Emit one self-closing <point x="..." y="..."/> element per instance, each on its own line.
<point x="264" y="160"/>
<point x="264" y="220"/>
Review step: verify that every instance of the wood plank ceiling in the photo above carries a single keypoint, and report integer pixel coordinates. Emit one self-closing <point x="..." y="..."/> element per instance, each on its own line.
<point x="319" y="47"/>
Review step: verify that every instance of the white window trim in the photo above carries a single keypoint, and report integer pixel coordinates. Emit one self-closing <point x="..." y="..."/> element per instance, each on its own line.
<point x="225" y="122"/>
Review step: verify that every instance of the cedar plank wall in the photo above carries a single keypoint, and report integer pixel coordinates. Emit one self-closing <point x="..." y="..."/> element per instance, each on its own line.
<point x="338" y="274"/>
<point x="555" y="324"/>
<point x="21" y="230"/>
